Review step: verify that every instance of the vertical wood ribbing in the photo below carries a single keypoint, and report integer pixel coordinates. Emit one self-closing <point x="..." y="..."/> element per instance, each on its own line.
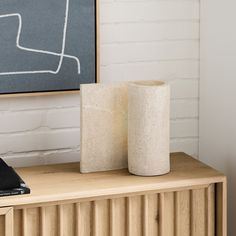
<point x="210" y="210"/>
<point x="95" y="219"/>
<point x="161" y="207"/>
<point x="157" y="214"/>
<point x="176" y="213"/>
<point x="145" y="215"/>
<point x="17" y="222"/>
<point x="191" y="212"/>
<point x="198" y="221"/>
<point x="167" y="218"/>
<point x="182" y="213"/>
<point x="221" y="209"/>
<point x="128" y="216"/>
<point x="60" y="220"/>
<point x="86" y="219"/>
<point x="153" y="215"/>
<point x="2" y="224"/>
<point x="77" y="218"/>
<point x="117" y="217"/>
<point x="24" y="222"/>
<point x="135" y="216"/>
<point x="51" y="220"/>
<point x="112" y="217"/>
<point x="42" y="221"/>
<point x="101" y="218"/>
<point x="9" y="223"/>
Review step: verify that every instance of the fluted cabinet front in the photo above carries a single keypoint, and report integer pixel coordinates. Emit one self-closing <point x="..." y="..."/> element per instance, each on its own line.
<point x="177" y="213"/>
<point x="6" y="221"/>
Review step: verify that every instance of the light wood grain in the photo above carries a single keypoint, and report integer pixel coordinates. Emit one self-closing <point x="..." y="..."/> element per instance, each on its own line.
<point x="145" y="215"/>
<point x="210" y="210"/>
<point x="182" y="213"/>
<point x="51" y="219"/>
<point x="198" y="218"/>
<point x="221" y="210"/>
<point x="152" y="219"/>
<point x="112" y="221"/>
<point x="128" y="216"/>
<point x="2" y="225"/>
<point x="86" y="218"/>
<point x="135" y="216"/>
<point x="24" y="222"/>
<point x="60" y="221"/>
<point x="102" y="218"/>
<point x="68" y="220"/>
<point x="118" y="216"/>
<point x="77" y="219"/>
<point x="168" y="215"/>
<point x="42" y="221"/>
<point x="33" y="222"/>
<point x="64" y="182"/>
<point x="9" y="226"/>
<point x="190" y="201"/>
<point x="18" y="222"/>
<point x="6" y="221"/>
<point x="161" y="214"/>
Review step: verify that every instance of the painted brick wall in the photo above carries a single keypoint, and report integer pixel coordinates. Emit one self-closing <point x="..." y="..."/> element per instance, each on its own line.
<point x="140" y="40"/>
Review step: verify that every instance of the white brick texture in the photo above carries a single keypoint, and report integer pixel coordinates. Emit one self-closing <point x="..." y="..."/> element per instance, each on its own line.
<point x="140" y="40"/>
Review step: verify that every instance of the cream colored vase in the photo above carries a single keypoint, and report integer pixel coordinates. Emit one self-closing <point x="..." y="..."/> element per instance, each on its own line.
<point x="148" y="128"/>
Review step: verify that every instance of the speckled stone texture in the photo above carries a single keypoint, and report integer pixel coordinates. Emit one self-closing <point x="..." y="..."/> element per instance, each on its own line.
<point x="103" y="127"/>
<point x="148" y="128"/>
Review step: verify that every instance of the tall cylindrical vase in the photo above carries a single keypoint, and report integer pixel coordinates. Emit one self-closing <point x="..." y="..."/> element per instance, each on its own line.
<point x="148" y="128"/>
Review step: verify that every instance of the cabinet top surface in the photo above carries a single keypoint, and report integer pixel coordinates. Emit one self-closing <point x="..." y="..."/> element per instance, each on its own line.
<point x="65" y="182"/>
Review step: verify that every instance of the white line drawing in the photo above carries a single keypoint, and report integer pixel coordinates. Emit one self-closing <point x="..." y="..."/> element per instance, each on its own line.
<point x="61" y="54"/>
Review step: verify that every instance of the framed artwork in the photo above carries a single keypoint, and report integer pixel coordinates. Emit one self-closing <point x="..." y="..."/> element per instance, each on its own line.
<point x="48" y="45"/>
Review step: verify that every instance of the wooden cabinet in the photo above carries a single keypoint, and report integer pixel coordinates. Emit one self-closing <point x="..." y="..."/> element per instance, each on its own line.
<point x="189" y="201"/>
<point x="6" y="221"/>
